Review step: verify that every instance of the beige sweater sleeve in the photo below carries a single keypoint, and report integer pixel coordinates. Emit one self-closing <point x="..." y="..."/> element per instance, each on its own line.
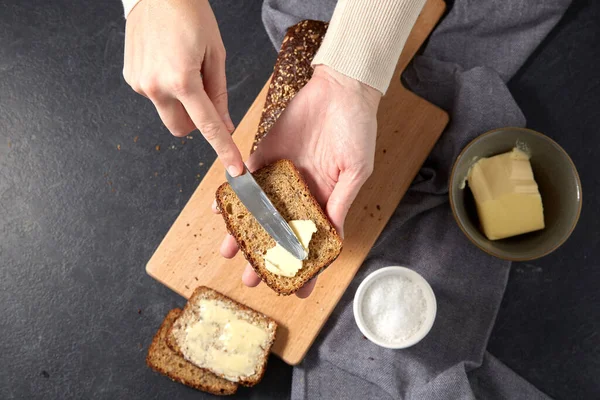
<point x="365" y="38"/>
<point x="128" y="6"/>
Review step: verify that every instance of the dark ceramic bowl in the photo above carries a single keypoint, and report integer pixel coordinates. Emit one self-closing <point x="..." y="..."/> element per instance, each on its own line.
<point x="558" y="182"/>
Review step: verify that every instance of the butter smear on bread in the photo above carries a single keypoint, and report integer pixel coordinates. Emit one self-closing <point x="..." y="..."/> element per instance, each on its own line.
<point x="229" y="344"/>
<point x="281" y="262"/>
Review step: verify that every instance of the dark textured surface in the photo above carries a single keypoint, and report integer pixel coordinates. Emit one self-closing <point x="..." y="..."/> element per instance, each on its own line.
<point x="548" y="328"/>
<point x="79" y="218"/>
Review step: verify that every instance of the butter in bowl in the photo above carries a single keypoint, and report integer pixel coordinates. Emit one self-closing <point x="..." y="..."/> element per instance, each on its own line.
<point x="515" y="193"/>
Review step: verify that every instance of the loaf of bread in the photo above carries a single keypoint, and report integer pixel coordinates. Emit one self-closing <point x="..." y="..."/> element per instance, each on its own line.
<point x="164" y="360"/>
<point x="229" y="332"/>
<point x="286" y="189"/>
<point x="291" y="72"/>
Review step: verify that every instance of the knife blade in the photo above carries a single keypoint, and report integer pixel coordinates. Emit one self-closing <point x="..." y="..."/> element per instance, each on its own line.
<point x="259" y="205"/>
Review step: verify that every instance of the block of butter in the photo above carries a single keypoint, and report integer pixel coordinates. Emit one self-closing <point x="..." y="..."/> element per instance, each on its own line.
<point x="281" y="262"/>
<point x="506" y="194"/>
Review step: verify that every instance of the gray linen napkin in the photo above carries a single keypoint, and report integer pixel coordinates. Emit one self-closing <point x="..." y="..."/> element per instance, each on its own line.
<point x="464" y="68"/>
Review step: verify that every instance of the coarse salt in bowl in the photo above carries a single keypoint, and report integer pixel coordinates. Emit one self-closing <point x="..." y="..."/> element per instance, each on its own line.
<point x="394" y="307"/>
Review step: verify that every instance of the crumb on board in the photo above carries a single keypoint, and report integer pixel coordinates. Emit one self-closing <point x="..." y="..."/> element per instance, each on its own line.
<point x="187" y="287"/>
<point x="384" y="151"/>
<point x="135" y="139"/>
<point x="182" y="141"/>
<point x="157" y="147"/>
<point x="189" y="137"/>
<point x="371" y="359"/>
<point x="365" y="207"/>
<point x="372" y="215"/>
<point x="364" y="337"/>
<point x="195" y="235"/>
<point x="45" y="374"/>
<point x="201" y="164"/>
<point x="156" y="174"/>
<point x="378" y="207"/>
<point x="196" y="278"/>
<point x="139" y="310"/>
<point x="119" y="147"/>
<point x="140" y="346"/>
<point x="187" y="224"/>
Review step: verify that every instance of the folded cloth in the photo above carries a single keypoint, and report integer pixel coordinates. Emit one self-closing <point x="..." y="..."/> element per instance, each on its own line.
<point x="464" y="68"/>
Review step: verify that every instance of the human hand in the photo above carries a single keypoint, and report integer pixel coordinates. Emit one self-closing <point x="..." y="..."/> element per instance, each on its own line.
<point x="328" y="130"/>
<point x="174" y="55"/>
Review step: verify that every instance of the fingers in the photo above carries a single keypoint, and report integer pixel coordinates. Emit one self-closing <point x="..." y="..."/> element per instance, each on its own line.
<point x="215" y="84"/>
<point x="204" y="115"/>
<point x="307" y="289"/>
<point x="229" y="247"/>
<point x="342" y="196"/>
<point x="174" y="116"/>
<point x="249" y="277"/>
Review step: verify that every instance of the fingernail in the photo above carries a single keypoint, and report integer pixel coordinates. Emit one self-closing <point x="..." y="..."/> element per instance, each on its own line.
<point x="233" y="171"/>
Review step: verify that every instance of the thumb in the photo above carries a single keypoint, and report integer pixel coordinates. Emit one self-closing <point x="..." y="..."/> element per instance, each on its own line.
<point x="342" y="197"/>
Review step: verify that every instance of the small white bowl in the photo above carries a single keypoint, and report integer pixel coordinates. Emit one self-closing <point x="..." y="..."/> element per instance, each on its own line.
<point x="415" y="278"/>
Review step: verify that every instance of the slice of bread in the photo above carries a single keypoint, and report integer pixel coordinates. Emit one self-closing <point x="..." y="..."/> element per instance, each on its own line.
<point x="288" y="192"/>
<point x="166" y="361"/>
<point x="291" y="72"/>
<point x="194" y="313"/>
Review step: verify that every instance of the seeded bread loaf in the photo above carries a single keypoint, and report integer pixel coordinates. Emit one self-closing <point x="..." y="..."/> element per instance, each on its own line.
<point x="177" y="338"/>
<point x="164" y="360"/>
<point x="288" y="192"/>
<point x="291" y="72"/>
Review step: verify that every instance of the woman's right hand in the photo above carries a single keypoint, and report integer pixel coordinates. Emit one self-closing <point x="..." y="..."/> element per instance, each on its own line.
<point x="174" y="56"/>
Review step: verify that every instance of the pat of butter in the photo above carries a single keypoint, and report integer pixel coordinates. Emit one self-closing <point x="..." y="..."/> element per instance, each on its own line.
<point x="281" y="262"/>
<point x="220" y="339"/>
<point x="506" y="194"/>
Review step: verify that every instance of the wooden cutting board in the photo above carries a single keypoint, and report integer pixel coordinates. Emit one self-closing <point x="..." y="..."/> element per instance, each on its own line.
<point x="189" y="254"/>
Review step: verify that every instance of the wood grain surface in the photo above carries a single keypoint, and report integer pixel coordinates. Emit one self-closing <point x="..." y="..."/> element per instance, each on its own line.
<point x="188" y="256"/>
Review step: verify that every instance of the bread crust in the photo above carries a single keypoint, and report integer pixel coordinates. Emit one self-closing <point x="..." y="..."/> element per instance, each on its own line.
<point x="291" y="72"/>
<point x="272" y="280"/>
<point x="203" y="292"/>
<point x="156" y="352"/>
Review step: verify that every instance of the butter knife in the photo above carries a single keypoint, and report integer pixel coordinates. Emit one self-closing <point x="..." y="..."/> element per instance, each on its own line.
<point x="261" y="208"/>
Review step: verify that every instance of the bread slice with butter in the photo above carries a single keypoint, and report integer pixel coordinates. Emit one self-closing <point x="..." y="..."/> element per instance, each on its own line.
<point x="164" y="360"/>
<point x="288" y="192"/>
<point x="223" y="336"/>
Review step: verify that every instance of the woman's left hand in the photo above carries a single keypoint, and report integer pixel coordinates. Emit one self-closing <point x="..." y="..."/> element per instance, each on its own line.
<point x="328" y="130"/>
